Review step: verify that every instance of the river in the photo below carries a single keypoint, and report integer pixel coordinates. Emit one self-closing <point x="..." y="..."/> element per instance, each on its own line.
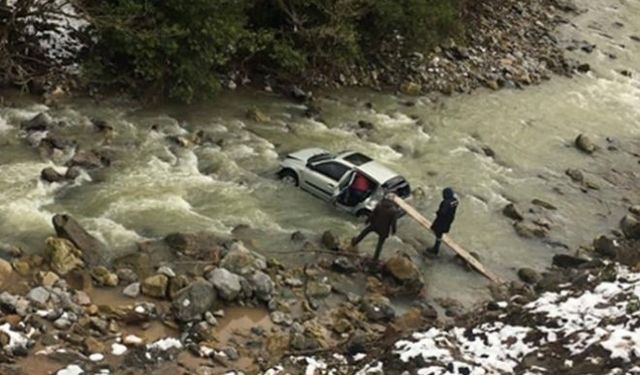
<point x="155" y="187"/>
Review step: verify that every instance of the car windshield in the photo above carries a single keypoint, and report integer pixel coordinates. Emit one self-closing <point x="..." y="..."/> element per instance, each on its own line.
<point x="320" y="157"/>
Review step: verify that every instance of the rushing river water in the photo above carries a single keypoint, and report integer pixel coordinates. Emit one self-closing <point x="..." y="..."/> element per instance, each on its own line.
<point x="154" y="187"/>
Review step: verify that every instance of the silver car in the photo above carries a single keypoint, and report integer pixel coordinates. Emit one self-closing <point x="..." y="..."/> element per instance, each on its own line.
<point x="329" y="177"/>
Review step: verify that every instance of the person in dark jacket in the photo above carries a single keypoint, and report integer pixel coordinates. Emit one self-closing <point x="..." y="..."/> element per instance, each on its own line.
<point x="382" y="221"/>
<point x="444" y="217"/>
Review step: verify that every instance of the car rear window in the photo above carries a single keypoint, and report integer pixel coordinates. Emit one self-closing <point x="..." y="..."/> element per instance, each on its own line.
<point x="398" y="185"/>
<point x="358" y="158"/>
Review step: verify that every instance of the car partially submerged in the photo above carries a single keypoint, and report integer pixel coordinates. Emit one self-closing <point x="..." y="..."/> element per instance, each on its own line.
<point x="329" y="177"/>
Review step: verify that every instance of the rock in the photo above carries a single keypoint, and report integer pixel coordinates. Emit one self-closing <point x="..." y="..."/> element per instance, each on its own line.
<point x="176" y="284"/>
<point x="5" y="270"/>
<point x="127" y="275"/>
<point x="73" y="173"/>
<point x="543" y="204"/>
<point x="226" y="283"/>
<point x="403" y="270"/>
<point x="254" y="114"/>
<point x="62" y="255"/>
<point x="210" y="319"/>
<point x="575" y="174"/>
<point x="411" y="88"/>
<point x="568" y="261"/>
<point x="62" y="324"/>
<point x="630" y="226"/>
<point x="293" y="282"/>
<point x="317" y="289"/>
<point x="195" y="245"/>
<point x="343" y="265"/>
<point x="132" y="290"/>
<point x="512" y="212"/>
<point x="21" y="266"/>
<point x="194" y="300"/>
<point x="104" y="277"/>
<point x="47" y="278"/>
<point x="529" y="230"/>
<point x="155" y="286"/>
<point x="528" y="275"/>
<point x="606" y="247"/>
<point x="262" y="286"/>
<point x="94" y="252"/>
<point x="242" y="261"/>
<point x="635" y="210"/>
<point x="278" y="317"/>
<point x="93" y="345"/>
<point x="166" y="270"/>
<point x="583" y="68"/>
<point x="39" y="295"/>
<point x="51" y="175"/>
<point x="87" y="159"/>
<point x="330" y="240"/>
<point x="366" y="125"/>
<point x="82" y="298"/>
<point x="11" y="250"/>
<point x="40" y="122"/>
<point x="298" y="236"/>
<point x="585" y="144"/>
<point x="299" y="95"/>
<point x="377" y="307"/>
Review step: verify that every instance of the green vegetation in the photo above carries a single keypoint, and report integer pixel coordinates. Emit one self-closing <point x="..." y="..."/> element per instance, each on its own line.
<point x="182" y="49"/>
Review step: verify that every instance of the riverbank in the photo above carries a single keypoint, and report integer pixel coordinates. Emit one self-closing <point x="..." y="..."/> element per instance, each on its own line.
<point x="504" y="44"/>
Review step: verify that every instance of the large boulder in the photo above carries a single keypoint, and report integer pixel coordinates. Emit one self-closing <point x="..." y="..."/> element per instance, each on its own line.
<point x="377" y="307"/>
<point x="243" y="261"/>
<point x="568" y="261"/>
<point x="40" y="122"/>
<point x="62" y="255"/>
<point x="199" y="245"/>
<point x="585" y="144"/>
<point x="404" y="270"/>
<point x="194" y="300"/>
<point x="530" y="230"/>
<point x="94" y="252"/>
<point x="227" y="284"/>
<point x="529" y="275"/>
<point x="51" y="175"/>
<point x="512" y="212"/>
<point x="155" y="286"/>
<point x="87" y="159"/>
<point x="330" y="240"/>
<point x="606" y="247"/>
<point x="262" y="285"/>
<point x="630" y="226"/>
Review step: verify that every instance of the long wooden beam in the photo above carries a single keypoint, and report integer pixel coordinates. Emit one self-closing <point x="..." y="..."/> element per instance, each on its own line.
<point x="446" y="239"/>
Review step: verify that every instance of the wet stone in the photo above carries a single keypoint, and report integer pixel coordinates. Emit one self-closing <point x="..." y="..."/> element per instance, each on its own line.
<point x="132" y="290"/>
<point x="194" y="300"/>
<point x="263" y="285"/>
<point x="528" y="275"/>
<point x="279" y="317"/>
<point x="318" y="289"/>
<point x="155" y="286"/>
<point x="343" y="265"/>
<point x="127" y="275"/>
<point x="227" y="284"/>
<point x="39" y="295"/>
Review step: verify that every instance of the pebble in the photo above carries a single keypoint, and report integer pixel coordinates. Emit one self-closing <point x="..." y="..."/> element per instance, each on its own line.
<point x="39" y="295"/>
<point x="118" y="349"/>
<point x="132" y="290"/>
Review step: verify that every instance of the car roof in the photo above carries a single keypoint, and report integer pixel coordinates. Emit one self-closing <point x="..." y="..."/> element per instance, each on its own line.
<point x="377" y="171"/>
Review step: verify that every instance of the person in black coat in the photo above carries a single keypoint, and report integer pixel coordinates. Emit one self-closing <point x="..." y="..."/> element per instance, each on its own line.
<point x="444" y="217"/>
<point x="382" y="221"/>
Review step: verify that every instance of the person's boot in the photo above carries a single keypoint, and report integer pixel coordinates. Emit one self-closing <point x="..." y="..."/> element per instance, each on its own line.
<point x="433" y="251"/>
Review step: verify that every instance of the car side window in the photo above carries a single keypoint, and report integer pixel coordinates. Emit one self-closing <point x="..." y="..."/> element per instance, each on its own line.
<point x="331" y="169"/>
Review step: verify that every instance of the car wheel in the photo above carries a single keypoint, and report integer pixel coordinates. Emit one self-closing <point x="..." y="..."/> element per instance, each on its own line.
<point x="289" y="177"/>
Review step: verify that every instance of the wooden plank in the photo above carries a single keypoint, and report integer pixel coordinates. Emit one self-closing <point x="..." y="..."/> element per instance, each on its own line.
<point x="453" y="245"/>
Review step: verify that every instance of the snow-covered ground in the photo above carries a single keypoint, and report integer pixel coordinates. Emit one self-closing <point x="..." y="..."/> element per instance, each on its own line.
<point x="597" y="327"/>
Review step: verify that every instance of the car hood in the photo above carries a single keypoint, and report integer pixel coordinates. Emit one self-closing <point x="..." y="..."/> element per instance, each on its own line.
<point x="307" y="153"/>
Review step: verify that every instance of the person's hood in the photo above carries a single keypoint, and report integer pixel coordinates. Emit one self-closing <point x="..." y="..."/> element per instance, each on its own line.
<point x="448" y="193"/>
